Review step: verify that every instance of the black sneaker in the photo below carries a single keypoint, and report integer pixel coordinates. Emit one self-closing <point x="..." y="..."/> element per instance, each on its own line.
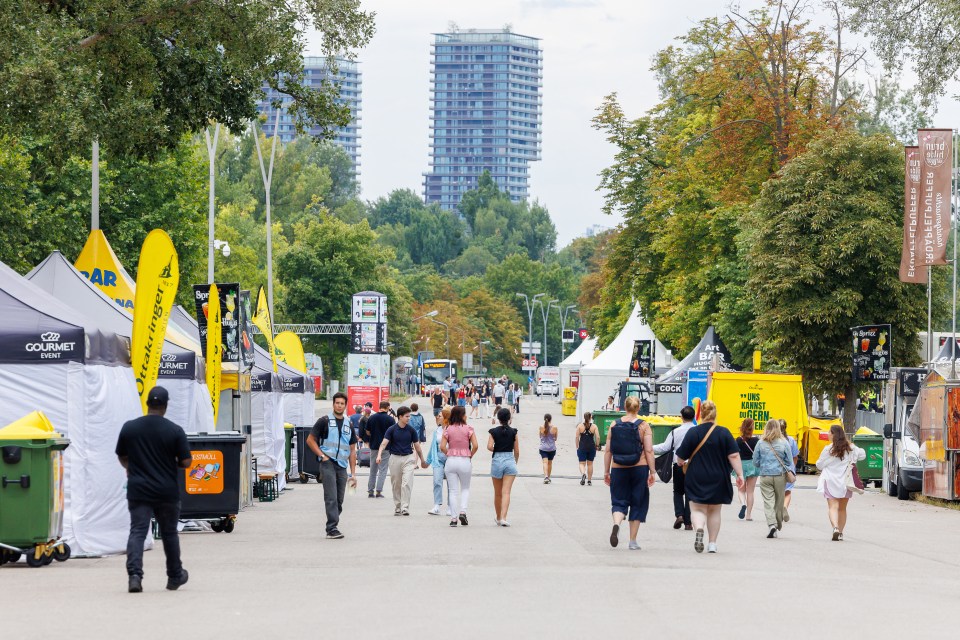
<point x="463" y="519"/>
<point x="583" y="479"/>
<point x="175" y="583"/>
<point x="615" y="536"/>
<point x="369" y="494"/>
<point x="379" y="494"/>
<point x="134" y="584"/>
<point x="334" y="535"/>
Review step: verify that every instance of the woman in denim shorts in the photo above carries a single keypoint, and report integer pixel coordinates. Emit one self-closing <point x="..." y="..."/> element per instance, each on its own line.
<point x="505" y="445"/>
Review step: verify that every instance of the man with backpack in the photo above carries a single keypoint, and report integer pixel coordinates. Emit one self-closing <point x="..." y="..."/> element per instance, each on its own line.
<point x="333" y="441"/>
<point x="681" y="506"/>
<point x="628" y="471"/>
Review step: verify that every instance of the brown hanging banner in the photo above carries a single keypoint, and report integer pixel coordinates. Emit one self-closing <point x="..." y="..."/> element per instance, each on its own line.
<point x="911" y="269"/>
<point x="936" y="164"/>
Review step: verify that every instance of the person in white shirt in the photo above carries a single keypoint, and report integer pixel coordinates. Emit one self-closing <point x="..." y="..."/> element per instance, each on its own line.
<point x="833" y="464"/>
<point x="498" y="391"/>
<point x="609" y="405"/>
<point x="681" y="506"/>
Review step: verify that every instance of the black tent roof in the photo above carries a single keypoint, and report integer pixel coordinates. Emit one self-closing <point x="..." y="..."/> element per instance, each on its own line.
<point x="38" y="328"/>
<point x="700" y="358"/>
<point x="58" y="277"/>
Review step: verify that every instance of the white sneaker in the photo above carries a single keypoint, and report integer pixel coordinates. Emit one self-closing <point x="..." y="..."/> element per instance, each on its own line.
<point x="435" y="511"/>
<point x="498" y="522"/>
<point x="449" y="513"/>
<point x="711" y="547"/>
<point x="504" y="523"/>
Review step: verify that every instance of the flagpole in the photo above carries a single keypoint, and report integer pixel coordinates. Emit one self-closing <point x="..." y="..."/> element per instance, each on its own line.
<point x="95" y="186"/>
<point x="211" y="203"/>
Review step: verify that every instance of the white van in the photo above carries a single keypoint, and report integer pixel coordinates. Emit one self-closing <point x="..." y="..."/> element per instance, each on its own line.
<point x="548" y="381"/>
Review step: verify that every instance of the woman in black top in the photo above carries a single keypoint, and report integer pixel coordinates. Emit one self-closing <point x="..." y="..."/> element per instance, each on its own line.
<point x="505" y="445"/>
<point x="707" y="475"/>
<point x="747" y="443"/>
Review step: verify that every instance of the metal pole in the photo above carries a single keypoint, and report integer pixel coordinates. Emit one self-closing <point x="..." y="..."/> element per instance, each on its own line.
<point x="211" y="154"/>
<point x="481" y="357"/>
<point x="267" y="175"/>
<point x="95" y="187"/>
<point x="545" y="312"/>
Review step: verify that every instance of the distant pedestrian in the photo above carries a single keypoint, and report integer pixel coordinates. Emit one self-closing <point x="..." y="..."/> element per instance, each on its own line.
<point x="628" y="471"/>
<point x="505" y="445"/>
<point x="609" y="405"/>
<point x="681" y="505"/>
<point x="473" y="395"/>
<point x="834" y="465"/>
<point x="461" y="396"/>
<point x="459" y="443"/>
<point x="333" y="442"/>
<point x="498" y="391"/>
<point x="518" y="392"/>
<point x="484" y="396"/>
<point x="587" y="440"/>
<point x="548" y="446"/>
<point x="417" y="422"/>
<point x="437" y="460"/>
<point x="438" y="400"/>
<point x="708" y="453"/>
<point x="508" y="396"/>
<point x="772" y="461"/>
<point x="794" y="456"/>
<point x="376" y="428"/>
<point x="747" y="443"/>
<point x="401" y="441"/>
<point x="154" y="451"/>
<point x="355" y="420"/>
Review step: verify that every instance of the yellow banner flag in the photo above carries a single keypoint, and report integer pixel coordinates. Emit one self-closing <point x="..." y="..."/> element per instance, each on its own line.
<point x="158" y="275"/>
<point x="261" y="318"/>
<point x="100" y="265"/>
<point x="214" y="353"/>
<point x="290" y="350"/>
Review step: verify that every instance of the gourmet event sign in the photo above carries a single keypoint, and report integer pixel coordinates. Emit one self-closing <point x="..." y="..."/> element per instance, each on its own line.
<point x="641" y="360"/>
<point x="910" y="263"/>
<point x="871" y="353"/>
<point x="936" y="164"/>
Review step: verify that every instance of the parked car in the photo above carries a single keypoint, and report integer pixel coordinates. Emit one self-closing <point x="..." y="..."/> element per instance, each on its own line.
<point x="548" y="388"/>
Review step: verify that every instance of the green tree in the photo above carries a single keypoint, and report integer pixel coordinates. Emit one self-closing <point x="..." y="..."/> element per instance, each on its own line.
<point x="141" y="75"/>
<point x="824" y="254"/>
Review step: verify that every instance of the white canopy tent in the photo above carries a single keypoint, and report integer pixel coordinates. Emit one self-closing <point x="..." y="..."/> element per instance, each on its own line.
<point x="582" y="355"/>
<point x="599" y="378"/>
<point x="57" y="360"/>
<point x="182" y="370"/>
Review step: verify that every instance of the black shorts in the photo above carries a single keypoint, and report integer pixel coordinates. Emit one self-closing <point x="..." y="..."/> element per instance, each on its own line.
<point x="498" y="401"/>
<point x="548" y="455"/>
<point x="629" y="493"/>
<point x="586" y="455"/>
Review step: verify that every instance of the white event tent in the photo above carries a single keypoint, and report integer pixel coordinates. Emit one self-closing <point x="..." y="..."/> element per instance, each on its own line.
<point x="599" y="378"/>
<point x="581" y="356"/>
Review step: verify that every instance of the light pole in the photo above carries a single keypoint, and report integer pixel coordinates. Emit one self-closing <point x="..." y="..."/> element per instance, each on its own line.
<point x="431" y="314"/>
<point x="267" y="175"/>
<point x="482" y="342"/>
<point x="463" y="345"/>
<point x="530" y="304"/>
<point x="563" y="326"/>
<point x="445" y="326"/>
<point x="211" y="202"/>
<point x="545" y="312"/>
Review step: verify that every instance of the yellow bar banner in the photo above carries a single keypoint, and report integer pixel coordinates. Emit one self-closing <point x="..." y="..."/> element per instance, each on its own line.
<point x="261" y="318"/>
<point x="158" y="275"/>
<point x="100" y="265"/>
<point x="289" y="349"/>
<point x="214" y="353"/>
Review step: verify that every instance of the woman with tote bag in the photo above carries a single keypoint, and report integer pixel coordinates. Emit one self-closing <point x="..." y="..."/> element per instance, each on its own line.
<point x="836" y="482"/>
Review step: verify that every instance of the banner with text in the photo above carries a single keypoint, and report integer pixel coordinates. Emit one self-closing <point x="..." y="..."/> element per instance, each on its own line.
<point x="641" y="361"/>
<point x="936" y="164"/>
<point x="214" y="351"/>
<point x="910" y="267"/>
<point x="871" y="353"/>
<point x="229" y="317"/>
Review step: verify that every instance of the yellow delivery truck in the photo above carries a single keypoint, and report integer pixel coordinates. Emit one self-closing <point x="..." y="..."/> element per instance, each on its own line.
<point x="760" y="396"/>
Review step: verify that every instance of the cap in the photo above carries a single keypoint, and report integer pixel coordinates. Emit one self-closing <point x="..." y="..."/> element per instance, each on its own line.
<point x="369" y="404"/>
<point x="158" y="397"/>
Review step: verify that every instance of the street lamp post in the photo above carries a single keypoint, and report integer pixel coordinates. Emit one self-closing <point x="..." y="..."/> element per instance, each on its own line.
<point x="445" y="326"/>
<point x="482" y="342"/>
<point x="563" y="326"/>
<point x="545" y="312"/>
<point x="530" y="304"/>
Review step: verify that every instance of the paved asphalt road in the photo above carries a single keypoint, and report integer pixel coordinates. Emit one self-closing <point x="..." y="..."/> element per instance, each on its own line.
<point x="552" y="575"/>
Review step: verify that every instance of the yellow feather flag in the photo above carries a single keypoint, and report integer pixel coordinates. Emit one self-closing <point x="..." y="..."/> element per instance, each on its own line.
<point x="290" y="350"/>
<point x="261" y="318"/>
<point x="100" y="265"/>
<point x="158" y="275"/>
<point x="214" y="353"/>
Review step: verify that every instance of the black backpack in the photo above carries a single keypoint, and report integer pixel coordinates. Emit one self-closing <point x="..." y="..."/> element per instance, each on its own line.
<point x="625" y="443"/>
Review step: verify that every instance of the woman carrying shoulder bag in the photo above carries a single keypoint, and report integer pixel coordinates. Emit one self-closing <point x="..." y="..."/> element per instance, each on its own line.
<point x="772" y="460"/>
<point x="836" y="482"/>
<point x="707" y="455"/>
<point x="628" y="463"/>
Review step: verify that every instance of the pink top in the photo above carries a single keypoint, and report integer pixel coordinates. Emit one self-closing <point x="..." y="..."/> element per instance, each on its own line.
<point x="458" y="440"/>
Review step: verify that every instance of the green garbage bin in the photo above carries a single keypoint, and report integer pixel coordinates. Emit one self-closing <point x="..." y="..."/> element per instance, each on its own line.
<point x="31" y="491"/>
<point x="603" y="420"/>
<point x="871" y="467"/>
<point x="661" y="431"/>
<point x="288" y="444"/>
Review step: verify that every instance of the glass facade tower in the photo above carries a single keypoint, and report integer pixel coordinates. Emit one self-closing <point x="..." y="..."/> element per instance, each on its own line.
<point x="485" y="112"/>
<point x="350" y="80"/>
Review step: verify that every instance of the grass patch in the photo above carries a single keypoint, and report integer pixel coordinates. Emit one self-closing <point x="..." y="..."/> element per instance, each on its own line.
<point x="936" y="502"/>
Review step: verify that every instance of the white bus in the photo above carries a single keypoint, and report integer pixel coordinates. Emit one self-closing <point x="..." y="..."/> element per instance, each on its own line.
<point x="434" y="372"/>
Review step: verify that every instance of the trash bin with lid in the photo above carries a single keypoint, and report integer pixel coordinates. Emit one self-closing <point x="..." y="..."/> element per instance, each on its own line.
<point x="31" y="491"/>
<point x="568" y="406"/>
<point x="307" y="462"/>
<point x="603" y="420"/>
<point x="288" y="445"/>
<point x="210" y="488"/>
<point x="871" y="467"/>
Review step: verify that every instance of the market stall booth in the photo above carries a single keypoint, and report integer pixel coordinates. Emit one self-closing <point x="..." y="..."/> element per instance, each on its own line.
<point x="58" y="360"/>
<point x="267" y="416"/>
<point x="571" y="365"/>
<point x="182" y="369"/>
<point x="600" y="378"/>
<point x="677" y="388"/>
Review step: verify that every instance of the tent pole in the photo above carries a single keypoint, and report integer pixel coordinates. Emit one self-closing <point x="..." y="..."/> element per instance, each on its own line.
<point x="95" y="187"/>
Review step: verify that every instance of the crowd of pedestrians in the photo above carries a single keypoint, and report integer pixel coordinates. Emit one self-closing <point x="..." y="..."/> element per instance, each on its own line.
<point x="703" y="457"/>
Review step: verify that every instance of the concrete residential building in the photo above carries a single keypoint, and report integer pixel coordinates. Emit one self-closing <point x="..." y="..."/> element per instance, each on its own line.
<point x="350" y="80"/>
<point x="485" y="112"/>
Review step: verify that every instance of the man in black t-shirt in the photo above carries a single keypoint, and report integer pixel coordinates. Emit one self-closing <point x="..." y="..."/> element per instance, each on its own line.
<point x="153" y="450"/>
<point x="375" y="429"/>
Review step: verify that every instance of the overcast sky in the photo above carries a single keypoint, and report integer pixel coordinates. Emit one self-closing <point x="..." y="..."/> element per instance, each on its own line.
<point x="590" y="49"/>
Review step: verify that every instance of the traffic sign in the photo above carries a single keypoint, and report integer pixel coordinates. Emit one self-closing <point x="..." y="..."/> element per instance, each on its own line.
<point x="529" y="364"/>
<point x="583" y="334"/>
<point x="566" y="335"/>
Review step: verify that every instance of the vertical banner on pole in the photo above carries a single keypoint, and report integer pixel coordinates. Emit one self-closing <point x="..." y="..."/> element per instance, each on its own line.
<point x="262" y="319"/>
<point x="936" y="153"/>
<point x="910" y="259"/>
<point x="214" y="352"/>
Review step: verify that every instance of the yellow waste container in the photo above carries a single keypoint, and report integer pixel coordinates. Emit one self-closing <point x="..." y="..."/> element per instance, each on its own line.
<point x="570" y="393"/>
<point x="569" y="407"/>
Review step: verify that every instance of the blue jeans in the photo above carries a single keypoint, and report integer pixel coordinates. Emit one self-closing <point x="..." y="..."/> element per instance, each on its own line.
<point x="167" y="515"/>
<point x="438" y="485"/>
